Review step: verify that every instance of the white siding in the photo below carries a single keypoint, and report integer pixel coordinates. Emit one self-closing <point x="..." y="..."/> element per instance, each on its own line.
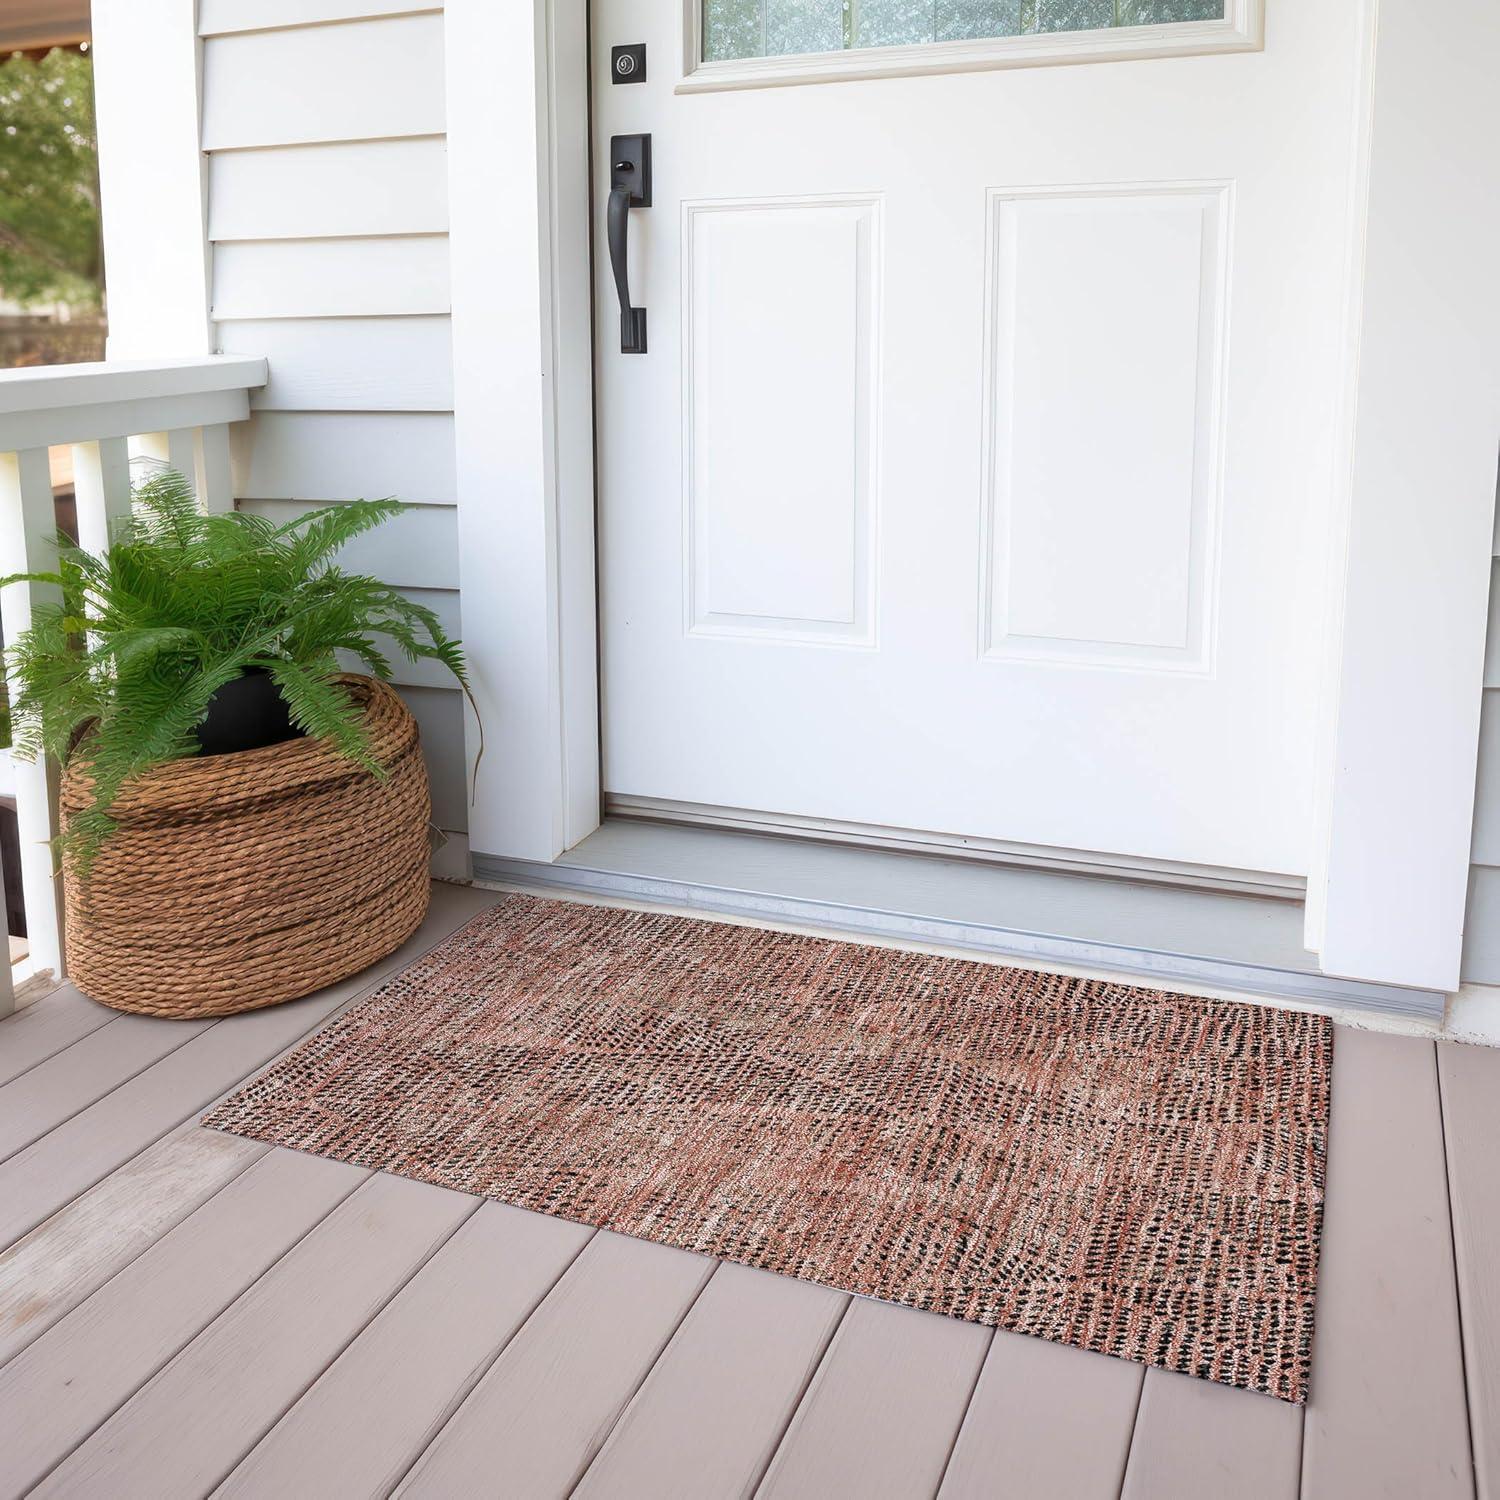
<point x="356" y="81"/>
<point x="416" y="550"/>
<point x="219" y="16"/>
<point x="327" y="216"/>
<point x="319" y="455"/>
<point x="1482" y="933"/>
<point x="440" y="713"/>
<point x="425" y="674"/>
<point x="392" y="363"/>
<point x="1492" y="642"/>
<point x="1482" y="924"/>
<point x="344" y="278"/>
<point x="306" y="192"/>
<point x="1486" y="850"/>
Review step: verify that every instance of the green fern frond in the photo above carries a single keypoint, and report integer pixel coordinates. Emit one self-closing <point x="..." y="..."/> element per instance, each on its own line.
<point x="320" y="706"/>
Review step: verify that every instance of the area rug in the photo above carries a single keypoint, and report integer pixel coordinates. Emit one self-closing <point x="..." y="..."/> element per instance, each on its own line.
<point x="1122" y="1169"/>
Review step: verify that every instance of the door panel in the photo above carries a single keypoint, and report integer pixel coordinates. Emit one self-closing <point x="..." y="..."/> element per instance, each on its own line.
<point x="780" y="362"/>
<point x="1100" y="550"/>
<point x="977" y="478"/>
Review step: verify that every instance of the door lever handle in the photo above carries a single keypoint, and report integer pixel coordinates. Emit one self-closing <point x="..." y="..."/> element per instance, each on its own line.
<point x="629" y="187"/>
<point x="632" y="319"/>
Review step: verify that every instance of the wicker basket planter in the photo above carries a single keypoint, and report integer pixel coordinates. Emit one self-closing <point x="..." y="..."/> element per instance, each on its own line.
<point x="238" y="881"/>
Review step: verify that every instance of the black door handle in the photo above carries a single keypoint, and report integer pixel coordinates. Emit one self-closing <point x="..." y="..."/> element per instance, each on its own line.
<point x="629" y="187"/>
<point x="632" y="319"/>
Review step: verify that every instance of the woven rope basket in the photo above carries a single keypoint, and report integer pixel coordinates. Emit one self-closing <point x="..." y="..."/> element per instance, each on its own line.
<point x="237" y="881"/>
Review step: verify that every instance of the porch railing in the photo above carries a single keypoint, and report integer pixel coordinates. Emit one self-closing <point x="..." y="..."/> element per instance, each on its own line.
<point x="110" y="415"/>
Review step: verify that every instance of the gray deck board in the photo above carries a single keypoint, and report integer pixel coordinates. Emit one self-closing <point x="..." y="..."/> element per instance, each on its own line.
<point x="78" y="1076"/>
<point x="200" y="1310"/>
<point x="75" y="1252"/>
<point x="1194" y="1438"/>
<point x="69" y="1160"/>
<point x="37" y="1031"/>
<point x="881" y="1415"/>
<point x="1470" y="1080"/>
<point x="544" y="1408"/>
<point x="371" y="1415"/>
<point x="1046" y="1419"/>
<point x="709" y="1416"/>
<point x="79" y="1373"/>
<point x="193" y="1422"/>
<point x="1387" y="1416"/>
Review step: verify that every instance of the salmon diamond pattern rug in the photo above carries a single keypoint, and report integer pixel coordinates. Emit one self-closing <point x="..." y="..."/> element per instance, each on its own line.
<point x="1126" y="1170"/>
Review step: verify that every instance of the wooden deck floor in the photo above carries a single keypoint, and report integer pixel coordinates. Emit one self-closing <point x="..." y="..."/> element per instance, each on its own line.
<point x="185" y="1313"/>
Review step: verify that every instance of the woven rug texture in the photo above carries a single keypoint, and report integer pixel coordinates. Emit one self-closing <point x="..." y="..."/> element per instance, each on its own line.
<point x="1122" y="1169"/>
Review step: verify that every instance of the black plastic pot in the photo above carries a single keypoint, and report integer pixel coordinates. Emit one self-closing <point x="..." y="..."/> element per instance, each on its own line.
<point x="245" y="714"/>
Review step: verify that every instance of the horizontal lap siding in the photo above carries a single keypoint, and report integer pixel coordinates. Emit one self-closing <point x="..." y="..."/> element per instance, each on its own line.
<point x="317" y="455"/>
<point x="1482" y="928"/>
<point x="354" y="81"/>
<point x="440" y="713"/>
<point x="416" y="550"/>
<point x="349" y="188"/>
<point x="327" y="215"/>
<point x="342" y="278"/>
<point x="348" y="364"/>
<point x="216" y="17"/>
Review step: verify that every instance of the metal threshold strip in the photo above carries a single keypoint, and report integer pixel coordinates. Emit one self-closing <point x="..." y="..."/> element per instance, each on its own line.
<point x="1224" y="942"/>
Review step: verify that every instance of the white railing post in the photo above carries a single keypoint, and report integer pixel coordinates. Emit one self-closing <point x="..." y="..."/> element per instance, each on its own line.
<point x="181" y="451"/>
<point x="101" y="487"/>
<point x="175" y="410"/>
<point x="178" y="447"/>
<point x="214" y="479"/>
<point x="7" y="979"/>
<point x="200" y="455"/>
<point x="7" y="989"/>
<point x="28" y="531"/>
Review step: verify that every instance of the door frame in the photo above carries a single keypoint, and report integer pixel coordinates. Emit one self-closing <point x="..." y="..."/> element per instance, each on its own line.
<point x="522" y="313"/>
<point x="1403" y="646"/>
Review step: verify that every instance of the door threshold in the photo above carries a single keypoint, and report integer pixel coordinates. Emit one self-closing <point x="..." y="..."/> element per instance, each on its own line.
<point x="1241" y="944"/>
<point x="956" y="846"/>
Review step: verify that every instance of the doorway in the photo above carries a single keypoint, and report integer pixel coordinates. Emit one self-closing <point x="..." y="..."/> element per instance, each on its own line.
<point x="973" y="484"/>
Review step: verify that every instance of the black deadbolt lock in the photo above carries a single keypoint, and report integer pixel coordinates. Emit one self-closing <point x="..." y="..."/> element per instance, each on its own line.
<point x="628" y="64"/>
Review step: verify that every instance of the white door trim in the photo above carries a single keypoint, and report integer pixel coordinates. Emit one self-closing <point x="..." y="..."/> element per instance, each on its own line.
<point x="518" y="166"/>
<point x="1405" y="650"/>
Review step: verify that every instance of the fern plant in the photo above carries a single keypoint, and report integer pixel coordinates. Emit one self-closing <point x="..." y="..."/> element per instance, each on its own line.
<point x="183" y="603"/>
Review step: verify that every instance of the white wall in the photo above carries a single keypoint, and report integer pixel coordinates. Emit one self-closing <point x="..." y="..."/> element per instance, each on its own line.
<point x="327" y="219"/>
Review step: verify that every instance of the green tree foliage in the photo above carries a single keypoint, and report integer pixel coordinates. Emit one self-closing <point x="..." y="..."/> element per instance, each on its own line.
<point x="123" y="668"/>
<point x="49" y="180"/>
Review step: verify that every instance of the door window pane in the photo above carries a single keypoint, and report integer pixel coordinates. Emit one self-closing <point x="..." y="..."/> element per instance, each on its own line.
<point x="968" y="20"/>
<point x="803" y="26"/>
<point x="774" y="28"/>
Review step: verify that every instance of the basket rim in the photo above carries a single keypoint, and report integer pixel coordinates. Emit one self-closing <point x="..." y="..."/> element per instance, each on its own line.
<point x="196" y="782"/>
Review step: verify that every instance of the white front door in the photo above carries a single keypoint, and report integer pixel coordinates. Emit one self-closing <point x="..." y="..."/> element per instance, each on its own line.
<point x="976" y="478"/>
